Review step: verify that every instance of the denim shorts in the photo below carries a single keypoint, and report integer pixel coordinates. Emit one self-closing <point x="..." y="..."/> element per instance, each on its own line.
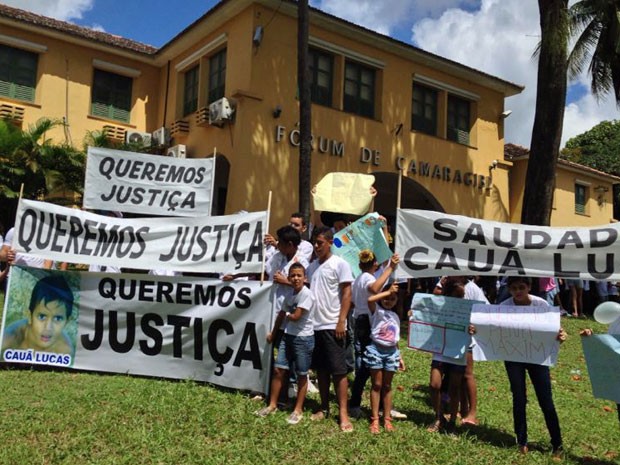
<point x="295" y="353"/>
<point x="382" y="358"/>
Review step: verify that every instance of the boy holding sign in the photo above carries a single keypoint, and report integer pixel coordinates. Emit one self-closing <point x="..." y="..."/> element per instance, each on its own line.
<point x="519" y="288"/>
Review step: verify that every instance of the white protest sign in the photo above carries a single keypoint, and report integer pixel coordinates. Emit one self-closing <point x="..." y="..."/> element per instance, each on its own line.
<point x="435" y="244"/>
<point x="133" y="182"/>
<point x="231" y="243"/>
<point x="172" y="327"/>
<point x="516" y="333"/>
<point x="344" y="193"/>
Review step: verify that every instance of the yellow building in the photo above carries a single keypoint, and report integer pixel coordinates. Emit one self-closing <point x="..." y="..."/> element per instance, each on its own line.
<point x="227" y="83"/>
<point x="583" y="196"/>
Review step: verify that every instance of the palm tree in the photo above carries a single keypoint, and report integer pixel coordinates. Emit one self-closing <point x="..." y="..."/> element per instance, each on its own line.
<point x="597" y="26"/>
<point x="31" y="159"/>
<point x="548" y="120"/>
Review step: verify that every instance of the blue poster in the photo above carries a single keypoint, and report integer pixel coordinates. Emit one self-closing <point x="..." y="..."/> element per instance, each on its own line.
<point x="602" y="353"/>
<point x="365" y="233"/>
<point x="438" y="324"/>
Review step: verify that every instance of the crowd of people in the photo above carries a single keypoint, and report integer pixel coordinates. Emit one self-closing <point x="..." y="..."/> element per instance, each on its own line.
<point x="360" y="319"/>
<point x="331" y="324"/>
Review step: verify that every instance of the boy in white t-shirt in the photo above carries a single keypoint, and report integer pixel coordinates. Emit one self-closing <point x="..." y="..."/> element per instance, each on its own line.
<point x="295" y="350"/>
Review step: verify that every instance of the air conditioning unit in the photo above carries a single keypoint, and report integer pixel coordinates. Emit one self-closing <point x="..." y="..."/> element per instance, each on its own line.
<point x="220" y="112"/>
<point x="138" y="138"/>
<point x="161" y="137"/>
<point x="177" y="151"/>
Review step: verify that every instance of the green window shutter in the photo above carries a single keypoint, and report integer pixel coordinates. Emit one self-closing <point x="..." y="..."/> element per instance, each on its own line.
<point x="190" y="91"/>
<point x="111" y="96"/>
<point x="580" y="199"/>
<point x="459" y="124"/>
<point x="18" y="73"/>
<point x="217" y="76"/>
<point x="424" y="109"/>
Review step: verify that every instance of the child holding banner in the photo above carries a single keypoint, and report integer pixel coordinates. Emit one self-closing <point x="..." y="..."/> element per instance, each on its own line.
<point x="382" y="356"/>
<point x="519" y="288"/>
<point x="364" y="286"/>
<point x="447" y="367"/>
<point x="295" y="350"/>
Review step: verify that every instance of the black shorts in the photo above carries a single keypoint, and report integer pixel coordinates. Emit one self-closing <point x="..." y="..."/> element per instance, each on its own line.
<point x="330" y="354"/>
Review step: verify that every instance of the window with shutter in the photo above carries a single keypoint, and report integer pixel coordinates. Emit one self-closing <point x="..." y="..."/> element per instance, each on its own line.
<point x="111" y="96"/>
<point x="190" y="91"/>
<point x="18" y="73"/>
<point x="321" y="77"/>
<point x="459" y="124"/>
<point x="581" y="198"/>
<point x="359" y="89"/>
<point x="424" y="109"/>
<point x="217" y="76"/>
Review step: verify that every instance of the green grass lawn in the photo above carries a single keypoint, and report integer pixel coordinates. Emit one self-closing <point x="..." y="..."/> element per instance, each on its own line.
<point x="55" y="417"/>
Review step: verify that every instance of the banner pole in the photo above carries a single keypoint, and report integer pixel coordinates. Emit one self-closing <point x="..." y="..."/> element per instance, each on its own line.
<point x="400" y="188"/>
<point x="262" y="271"/>
<point x="213" y="179"/>
<point x="398" y="196"/>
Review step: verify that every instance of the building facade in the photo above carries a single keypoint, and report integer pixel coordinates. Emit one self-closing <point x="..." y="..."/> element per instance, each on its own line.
<point x="227" y="85"/>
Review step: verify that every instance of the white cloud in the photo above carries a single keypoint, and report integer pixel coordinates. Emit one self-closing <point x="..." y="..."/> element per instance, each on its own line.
<point x="494" y="36"/>
<point x="64" y="10"/>
<point x="499" y="39"/>
<point x="379" y="16"/>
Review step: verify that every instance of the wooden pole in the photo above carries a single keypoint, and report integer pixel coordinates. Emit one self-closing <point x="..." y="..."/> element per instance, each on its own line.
<point x="262" y="271"/>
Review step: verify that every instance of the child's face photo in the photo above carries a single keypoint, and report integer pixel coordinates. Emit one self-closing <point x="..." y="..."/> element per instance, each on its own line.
<point x="297" y="277"/>
<point x="45" y="324"/>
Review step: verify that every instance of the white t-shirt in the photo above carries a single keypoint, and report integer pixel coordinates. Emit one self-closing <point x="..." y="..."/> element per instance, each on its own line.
<point x="473" y="292"/>
<point x="325" y="280"/>
<point x="305" y="325"/>
<point x="305" y="249"/>
<point x="536" y="302"/>
<point x="280" y="263"/>
<point x="360" y="294"/>
<point x="22" y="258"/>
<point x="385" y="327"/>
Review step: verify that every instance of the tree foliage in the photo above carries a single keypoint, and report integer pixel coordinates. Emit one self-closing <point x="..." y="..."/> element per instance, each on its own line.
<point x="30" y="159"/>
<point x="598" y="148"/>
<point x="596" y="26"/>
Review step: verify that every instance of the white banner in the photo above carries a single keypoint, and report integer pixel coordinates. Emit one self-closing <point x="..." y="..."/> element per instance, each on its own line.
<point x="516" y="333"/>
<point x="228" y="244"/>
<point x="133" y="182"/>
<point x="171" y="327"/>
<point x="434" y="244"/>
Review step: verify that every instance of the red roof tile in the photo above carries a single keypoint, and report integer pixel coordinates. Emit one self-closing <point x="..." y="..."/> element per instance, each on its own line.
<point x="75" y="30"/>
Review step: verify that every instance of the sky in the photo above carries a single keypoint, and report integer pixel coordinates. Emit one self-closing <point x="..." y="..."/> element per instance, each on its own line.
<point x="494" y="36"/>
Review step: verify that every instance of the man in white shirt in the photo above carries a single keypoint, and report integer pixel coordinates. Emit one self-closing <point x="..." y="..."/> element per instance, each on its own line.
<point x="330" y="282"/>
